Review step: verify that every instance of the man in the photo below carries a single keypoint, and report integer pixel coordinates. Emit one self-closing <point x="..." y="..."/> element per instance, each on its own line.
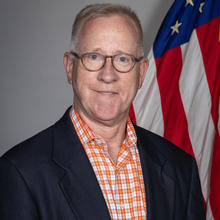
<point x="94" y="163"/>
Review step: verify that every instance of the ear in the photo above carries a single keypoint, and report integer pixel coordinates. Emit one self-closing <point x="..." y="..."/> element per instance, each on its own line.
<point x="143" y="69"/>
<point x="68" y="65"/>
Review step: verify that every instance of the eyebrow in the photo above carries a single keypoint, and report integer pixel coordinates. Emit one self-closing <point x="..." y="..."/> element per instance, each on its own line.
<point x="99" y="50"/>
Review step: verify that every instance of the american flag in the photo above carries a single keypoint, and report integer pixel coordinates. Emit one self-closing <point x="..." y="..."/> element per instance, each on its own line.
<point x="180" y="96"/>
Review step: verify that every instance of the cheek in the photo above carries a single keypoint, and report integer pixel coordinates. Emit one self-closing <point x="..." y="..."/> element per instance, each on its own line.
<point x="130" y="87"/>
<point x="78" y="77"/>
<point x="77" y="84"/>
<point x="135" y="80"/>
<point x="81" y="84"/>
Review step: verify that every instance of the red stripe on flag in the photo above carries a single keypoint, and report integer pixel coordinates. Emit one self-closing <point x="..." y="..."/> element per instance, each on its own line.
<point x="208" y="39"/>
<point x="175" y="122"/>
<point x="208" y="36"/>
<point x="132" y="114"/>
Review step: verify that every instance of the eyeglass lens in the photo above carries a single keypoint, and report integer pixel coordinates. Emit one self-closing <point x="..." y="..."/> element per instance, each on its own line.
<point x="95" y="61"/>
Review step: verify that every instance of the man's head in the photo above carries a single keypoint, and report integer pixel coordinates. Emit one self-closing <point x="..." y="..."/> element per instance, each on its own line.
<point x="105" y="66"/>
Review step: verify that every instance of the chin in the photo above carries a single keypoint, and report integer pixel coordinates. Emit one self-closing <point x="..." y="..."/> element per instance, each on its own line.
<point x="108" y="114"/>
<point x="105" y="116"/>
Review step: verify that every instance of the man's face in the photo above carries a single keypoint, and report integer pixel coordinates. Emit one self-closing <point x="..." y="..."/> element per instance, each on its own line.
<point x="105" y="96"/>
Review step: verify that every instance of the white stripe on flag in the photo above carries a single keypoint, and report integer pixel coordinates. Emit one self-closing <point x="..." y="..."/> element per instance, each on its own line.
<point x="147" y="103"/>
<point x="197" y="104"/>
<point x="209" y="215"/>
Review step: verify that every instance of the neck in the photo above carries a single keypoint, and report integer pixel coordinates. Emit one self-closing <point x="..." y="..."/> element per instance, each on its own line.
<point x="113" y="133"/>
<point x="113" y="136"/>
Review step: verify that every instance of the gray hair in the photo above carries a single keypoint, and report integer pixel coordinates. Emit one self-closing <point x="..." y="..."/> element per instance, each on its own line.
<point x="103" y="10"/>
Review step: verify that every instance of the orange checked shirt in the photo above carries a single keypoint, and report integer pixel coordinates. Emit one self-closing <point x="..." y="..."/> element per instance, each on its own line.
<point x="122" y="184"/>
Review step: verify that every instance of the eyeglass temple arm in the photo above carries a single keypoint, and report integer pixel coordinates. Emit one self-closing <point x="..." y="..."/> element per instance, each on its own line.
<point x="138" y="59"/>
<point x="75" y="54"/>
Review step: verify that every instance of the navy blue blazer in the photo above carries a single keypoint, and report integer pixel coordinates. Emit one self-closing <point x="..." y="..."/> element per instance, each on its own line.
<point x="49" y="177"/>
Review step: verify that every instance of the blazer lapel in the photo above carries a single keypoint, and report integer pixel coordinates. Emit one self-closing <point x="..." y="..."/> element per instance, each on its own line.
<point x="158" y="179"/>
<point x="79" y="183"/>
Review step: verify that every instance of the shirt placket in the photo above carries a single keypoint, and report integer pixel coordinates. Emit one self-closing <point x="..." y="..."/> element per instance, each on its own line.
<point x="110" y="180"/>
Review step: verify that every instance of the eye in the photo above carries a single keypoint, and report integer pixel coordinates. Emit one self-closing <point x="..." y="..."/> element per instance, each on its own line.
<point x="123" y="59"/>
<point x="93" y="56"/>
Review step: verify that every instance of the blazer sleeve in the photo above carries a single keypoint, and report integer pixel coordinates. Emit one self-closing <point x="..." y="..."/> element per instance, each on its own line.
<point x="195" y="210"/>
<point x="16" y="201"/>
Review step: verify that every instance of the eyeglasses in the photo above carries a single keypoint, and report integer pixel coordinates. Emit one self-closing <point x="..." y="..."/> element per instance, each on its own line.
<point x="95" y="61"/>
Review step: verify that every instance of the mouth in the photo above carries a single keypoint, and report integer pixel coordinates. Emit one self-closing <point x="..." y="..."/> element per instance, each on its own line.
<point x="109" y="93"/>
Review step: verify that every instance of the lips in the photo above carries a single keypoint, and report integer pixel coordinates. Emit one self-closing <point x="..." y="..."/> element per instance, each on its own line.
<point x="106" y="92"/>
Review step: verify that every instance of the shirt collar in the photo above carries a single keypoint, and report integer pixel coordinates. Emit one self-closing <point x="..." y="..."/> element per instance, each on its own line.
<point x="86" y="134"/>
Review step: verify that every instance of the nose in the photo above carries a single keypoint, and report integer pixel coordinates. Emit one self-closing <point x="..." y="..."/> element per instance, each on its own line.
<point x="108" y="74"/>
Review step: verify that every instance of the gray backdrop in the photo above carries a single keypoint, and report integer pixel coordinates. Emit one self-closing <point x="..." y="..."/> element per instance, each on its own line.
<point x="34" y="92"/>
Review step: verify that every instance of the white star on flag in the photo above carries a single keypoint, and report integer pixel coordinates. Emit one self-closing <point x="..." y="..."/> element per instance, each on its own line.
<point x="175" y="28"/>
<point x="201" y="7"/>
<point x="189" y="2"/>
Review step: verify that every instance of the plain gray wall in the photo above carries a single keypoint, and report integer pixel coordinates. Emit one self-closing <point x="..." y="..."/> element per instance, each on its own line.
<point x="34" y="92"/>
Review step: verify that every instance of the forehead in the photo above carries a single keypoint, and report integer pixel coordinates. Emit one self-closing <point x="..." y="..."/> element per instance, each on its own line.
<point x="113" y="32"/>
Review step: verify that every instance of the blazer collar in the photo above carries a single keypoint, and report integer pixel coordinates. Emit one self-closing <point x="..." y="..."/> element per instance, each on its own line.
<point x="79" y="183"/>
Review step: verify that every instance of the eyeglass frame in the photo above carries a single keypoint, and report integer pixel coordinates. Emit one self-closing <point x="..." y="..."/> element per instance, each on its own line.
<point x="80" y="56"/>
